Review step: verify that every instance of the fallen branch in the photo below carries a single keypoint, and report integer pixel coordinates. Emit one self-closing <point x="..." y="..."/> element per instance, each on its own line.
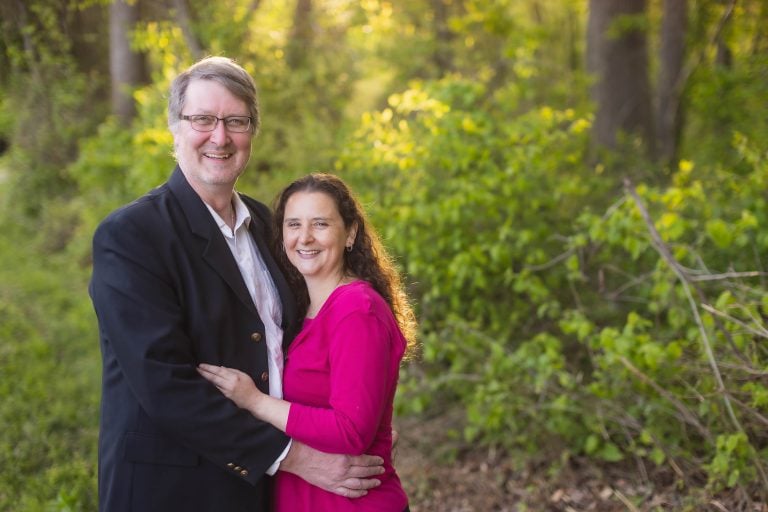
<point x="630" y="506"/>
<point x="687" y="415"/>
<point x="666" y="255"/>
<point x="682" y="275"/>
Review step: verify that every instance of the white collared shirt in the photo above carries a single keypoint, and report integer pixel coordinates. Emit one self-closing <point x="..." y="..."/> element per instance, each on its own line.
<point x="260" y="286"/>
<point x="263" y="293"/>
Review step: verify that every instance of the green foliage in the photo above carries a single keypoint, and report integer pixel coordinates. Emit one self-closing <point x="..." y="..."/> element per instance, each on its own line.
<point x="49" y="105"/>
<point x="724" y="99"/>
<point x="549" y="316"/>
<point x="733" y="460"/>
<point x="549" y="313"/>
<point x="473" y="200"/>
<point x="48" y="398"/>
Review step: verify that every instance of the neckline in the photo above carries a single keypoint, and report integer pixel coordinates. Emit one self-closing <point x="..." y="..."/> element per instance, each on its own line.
<point x="332" y="294"/>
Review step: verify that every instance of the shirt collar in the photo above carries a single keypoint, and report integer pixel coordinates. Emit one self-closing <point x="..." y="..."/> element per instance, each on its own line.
<point x="242" y="216"/>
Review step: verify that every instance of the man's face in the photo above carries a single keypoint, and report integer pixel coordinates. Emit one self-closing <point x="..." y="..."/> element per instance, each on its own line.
<point x="215" y="159"/>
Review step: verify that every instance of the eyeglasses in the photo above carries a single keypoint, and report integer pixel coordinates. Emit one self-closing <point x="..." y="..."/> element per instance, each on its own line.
<point x="208" y="123"/>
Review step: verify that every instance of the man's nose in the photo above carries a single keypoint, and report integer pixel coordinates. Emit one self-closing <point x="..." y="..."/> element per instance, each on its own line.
<point x="219" y="134"/>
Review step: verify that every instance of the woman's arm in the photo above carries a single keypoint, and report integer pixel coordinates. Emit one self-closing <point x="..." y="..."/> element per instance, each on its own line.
<point x="240" y="388"/>
<point x="362" y="375"/>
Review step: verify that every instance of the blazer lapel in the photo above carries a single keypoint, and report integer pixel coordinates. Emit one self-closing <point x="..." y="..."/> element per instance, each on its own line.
<point x="214" y="249"/>
<point x="260" y="231"/>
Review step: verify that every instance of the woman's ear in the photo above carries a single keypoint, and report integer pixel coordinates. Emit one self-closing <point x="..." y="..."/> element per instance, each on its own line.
<point x="351" y="235"/>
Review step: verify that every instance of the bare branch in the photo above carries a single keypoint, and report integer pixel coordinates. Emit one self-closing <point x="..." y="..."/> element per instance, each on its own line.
<point x="551" y="263"/>
<point x="691" y="67"/>
<point x="752" y="411"/>
<point x="686" y="414"/>
<point x="184" y="19"/>
<point x="760" y="331"/>
<point x="726" y="275"/>
<point x="683" y="276"/>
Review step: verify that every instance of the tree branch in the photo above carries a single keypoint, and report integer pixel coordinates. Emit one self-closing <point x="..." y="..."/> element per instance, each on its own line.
<point x="666" y="254"/>
<point x="725" y="275"/>
<point x="761" y="331"/>
<point x="687" y="415"/>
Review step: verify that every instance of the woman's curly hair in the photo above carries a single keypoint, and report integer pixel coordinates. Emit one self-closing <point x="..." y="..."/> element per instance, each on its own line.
<point x="367" y="260"/>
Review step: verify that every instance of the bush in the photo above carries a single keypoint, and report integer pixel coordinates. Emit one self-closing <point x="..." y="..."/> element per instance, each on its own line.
<point x="49" y="391"/>
<point x="549" y="312"/>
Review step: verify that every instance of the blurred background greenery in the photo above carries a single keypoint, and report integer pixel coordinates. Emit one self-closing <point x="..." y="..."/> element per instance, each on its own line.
<point x="575" y="191"/>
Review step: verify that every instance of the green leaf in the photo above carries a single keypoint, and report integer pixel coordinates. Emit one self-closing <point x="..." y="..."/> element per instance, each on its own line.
<point x="719" y="233"/>
<point x="611" y="453"/>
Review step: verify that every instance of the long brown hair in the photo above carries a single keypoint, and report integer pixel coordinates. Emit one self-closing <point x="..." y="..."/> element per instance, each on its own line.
<point x="367" y="260"/>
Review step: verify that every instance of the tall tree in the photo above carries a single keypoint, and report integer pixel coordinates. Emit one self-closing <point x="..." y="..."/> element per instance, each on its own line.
<point x="126" y="67"/>
<point x="617" y="56"/>
<point x="88" y="32"/>
<point x="184" y="19"/>
<point x="671" y="77"/>
<point x="301" y="35"/>
<point x="444" y="36"/>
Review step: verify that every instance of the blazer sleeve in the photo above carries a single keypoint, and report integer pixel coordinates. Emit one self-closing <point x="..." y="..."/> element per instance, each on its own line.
<point x="146" y="348"/>
<point x="359" y="360"/>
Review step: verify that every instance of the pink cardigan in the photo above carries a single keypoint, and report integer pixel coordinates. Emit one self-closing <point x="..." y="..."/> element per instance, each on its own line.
<point x="340" y="375"/>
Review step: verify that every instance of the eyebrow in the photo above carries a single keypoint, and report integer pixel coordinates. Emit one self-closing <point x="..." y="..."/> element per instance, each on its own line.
<point x="313" y="218"/>
<point x="206" y="112"/>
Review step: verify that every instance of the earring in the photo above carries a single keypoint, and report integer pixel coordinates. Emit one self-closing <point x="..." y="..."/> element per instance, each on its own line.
<point x="349" y="248"/>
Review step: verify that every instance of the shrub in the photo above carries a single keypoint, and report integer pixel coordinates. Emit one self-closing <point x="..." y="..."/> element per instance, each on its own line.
<point x="564" y="314"/>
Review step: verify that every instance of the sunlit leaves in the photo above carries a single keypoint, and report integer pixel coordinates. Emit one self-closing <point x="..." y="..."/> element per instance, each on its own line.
<point x="719" y="232"/>
<point x="490" y="215"/>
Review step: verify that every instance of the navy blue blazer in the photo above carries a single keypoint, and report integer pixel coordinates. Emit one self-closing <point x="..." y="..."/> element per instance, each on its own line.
<point x="168" y="295"/>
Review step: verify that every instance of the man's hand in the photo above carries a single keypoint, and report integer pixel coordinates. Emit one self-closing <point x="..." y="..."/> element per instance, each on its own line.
<point x="345" y="475"/>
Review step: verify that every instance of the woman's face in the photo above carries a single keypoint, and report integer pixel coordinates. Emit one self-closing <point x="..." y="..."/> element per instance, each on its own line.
<point x="314" y="237"/>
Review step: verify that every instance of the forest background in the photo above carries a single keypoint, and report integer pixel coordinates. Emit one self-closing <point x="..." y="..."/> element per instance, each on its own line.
<point x="574" y="190"/>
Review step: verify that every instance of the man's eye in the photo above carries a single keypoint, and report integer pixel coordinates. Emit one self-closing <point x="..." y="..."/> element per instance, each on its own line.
<point x="204" y="120"/>
<point x="237" y="122"/>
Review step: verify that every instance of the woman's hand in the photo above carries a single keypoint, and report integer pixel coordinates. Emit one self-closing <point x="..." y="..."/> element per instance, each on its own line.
<point x="234" y="384"/>
<point x="240" y="388"/>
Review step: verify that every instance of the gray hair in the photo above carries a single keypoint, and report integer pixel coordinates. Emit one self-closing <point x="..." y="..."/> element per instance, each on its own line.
<point x="224" y="71"/>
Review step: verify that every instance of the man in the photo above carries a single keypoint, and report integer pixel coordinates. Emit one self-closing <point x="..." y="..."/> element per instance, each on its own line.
<point x="181" y="276"/>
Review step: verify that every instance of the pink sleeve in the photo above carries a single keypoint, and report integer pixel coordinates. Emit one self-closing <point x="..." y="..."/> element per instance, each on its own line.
<point x="359" y="362"/>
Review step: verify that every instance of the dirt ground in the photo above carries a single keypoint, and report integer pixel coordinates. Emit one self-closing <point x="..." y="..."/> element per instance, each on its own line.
<point x="438" y="480"/>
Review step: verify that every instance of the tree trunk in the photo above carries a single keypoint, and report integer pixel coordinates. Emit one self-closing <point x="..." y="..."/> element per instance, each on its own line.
<point x="88" y="33"/>
<point x="125" y="65"/>
<point x="670" y="84"/>
<point x="301" y="35"/>
<point x="184" y="20"/>
<point x="618" y="58"/>
<point x="27" y="41"/>
<point x="443" y="56"/>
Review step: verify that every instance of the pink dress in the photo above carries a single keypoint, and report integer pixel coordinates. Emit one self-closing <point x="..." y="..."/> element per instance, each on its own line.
<point x="340" y="375"/>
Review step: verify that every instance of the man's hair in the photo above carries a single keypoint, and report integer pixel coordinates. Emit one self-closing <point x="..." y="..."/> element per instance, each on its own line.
<point x="224" y="71"/>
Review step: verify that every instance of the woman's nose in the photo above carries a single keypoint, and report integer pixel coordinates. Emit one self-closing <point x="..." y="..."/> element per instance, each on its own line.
<point x="305" y="235"/>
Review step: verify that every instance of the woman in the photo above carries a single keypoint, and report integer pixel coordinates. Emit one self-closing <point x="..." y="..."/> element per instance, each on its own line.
<point x="341" y="371"/>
